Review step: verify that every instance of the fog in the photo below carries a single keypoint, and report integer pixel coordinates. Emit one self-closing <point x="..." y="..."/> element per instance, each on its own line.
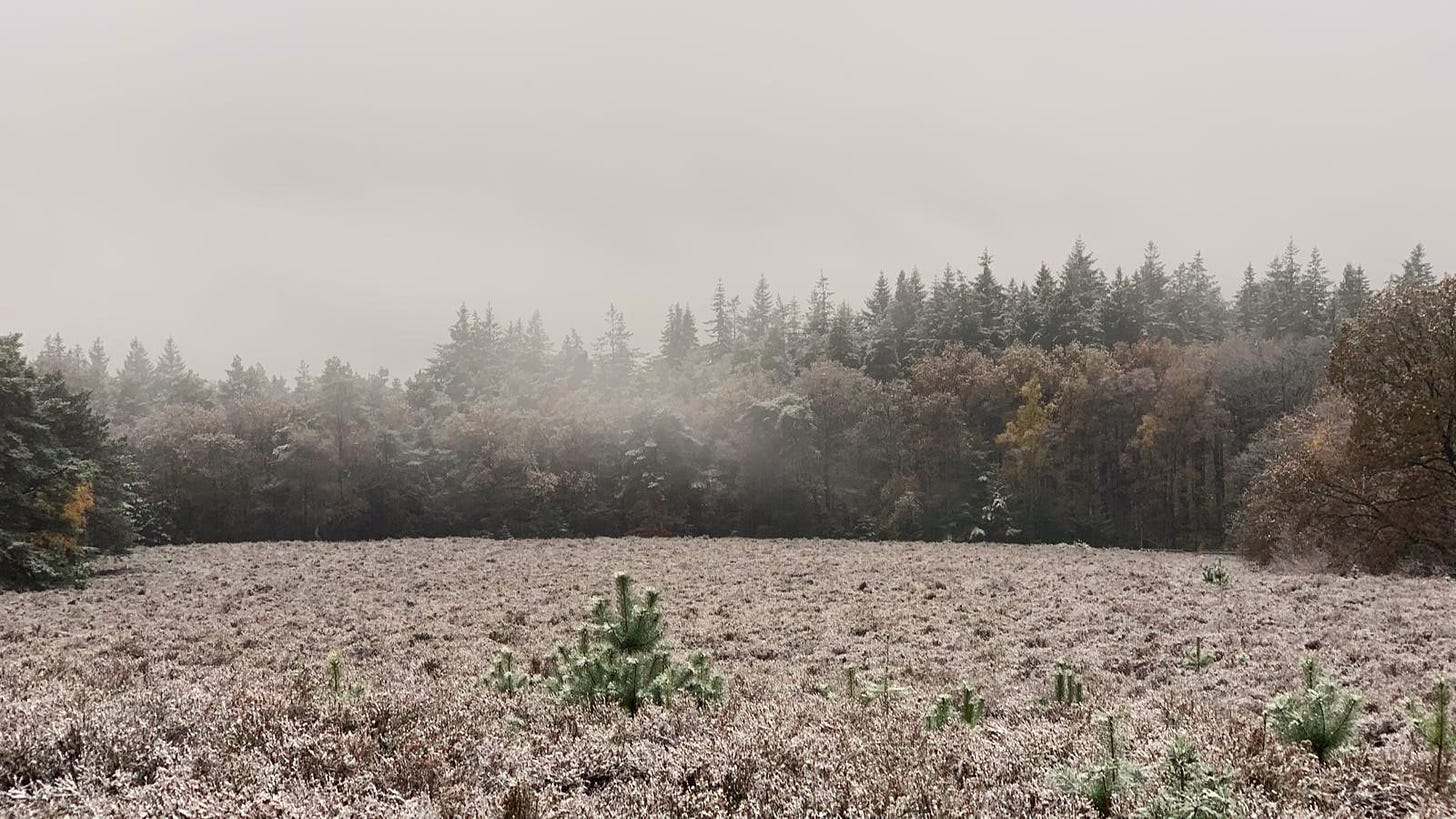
<point x="291" y="180"/>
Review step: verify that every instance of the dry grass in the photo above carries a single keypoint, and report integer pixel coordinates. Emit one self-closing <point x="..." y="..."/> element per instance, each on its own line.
<point x="189" y="680"/>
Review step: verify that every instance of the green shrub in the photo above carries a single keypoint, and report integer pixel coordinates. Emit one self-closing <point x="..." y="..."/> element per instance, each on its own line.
<point x="882" y="692"/>
<point x="1191" y="789"/>
<point x="1066" y="686"/>
<point x="1217" y="574"/>
<point x="940" y="713"/>
<point x="1322" y="715"/>
<point x="1198" y="660"/>
<point x="336" y="678"/>
<point x="619" y="658"/>
<point x="1100" y="783"/>
<point x="503" y="675"/>
<point x="1435" y="727"/>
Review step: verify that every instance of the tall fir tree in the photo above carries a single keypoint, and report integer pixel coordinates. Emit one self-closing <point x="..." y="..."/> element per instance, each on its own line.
<point x="988" y="306"/>
<point x="1121" y="311"/>
<point x="1349" y="298"/>
<point x="1416" y="269"/>
<point x="1248" y="308"/>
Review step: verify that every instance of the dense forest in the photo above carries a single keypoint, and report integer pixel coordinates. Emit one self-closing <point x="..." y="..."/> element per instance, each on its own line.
<point x="1139" y="409"/>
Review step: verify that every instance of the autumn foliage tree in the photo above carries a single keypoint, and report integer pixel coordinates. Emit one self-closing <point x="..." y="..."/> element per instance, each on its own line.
<point x="1367" y="475"/>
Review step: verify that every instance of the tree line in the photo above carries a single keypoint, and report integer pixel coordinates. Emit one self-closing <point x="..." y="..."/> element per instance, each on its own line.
<point x="1130" y="409"/>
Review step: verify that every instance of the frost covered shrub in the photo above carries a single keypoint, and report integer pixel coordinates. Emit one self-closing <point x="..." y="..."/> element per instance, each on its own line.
<point x="619" y="658"/>
<point x="1322" y="715"/>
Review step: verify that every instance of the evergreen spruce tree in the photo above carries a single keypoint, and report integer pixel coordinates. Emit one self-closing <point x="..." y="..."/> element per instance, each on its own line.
<point x="1121" y="311"/>
<point x="1349" y="298"/>
<point x="1023" y="318"/>
<point x="1043" y="308"/>
<point x="1075" y="309"/>
<point x="1416" y="269"/>
<point x="947" y="319"/>
<point x="760" y="314"/>
<point x="134" y="384"/>
<point x="1151" y="282"/>
<point x="1195" y="309"/>
<point x="615" y="357"/>
<point x="842" y="344"/>
<point x="1248" y="310"/>
<point x="175" y="383"/>
<point x="989" y="308"/>
<point x="1282" y="308"/>
<point x="1314" y="296"/>
<point x="721" y="326"/>
<point x="906" y="316"/>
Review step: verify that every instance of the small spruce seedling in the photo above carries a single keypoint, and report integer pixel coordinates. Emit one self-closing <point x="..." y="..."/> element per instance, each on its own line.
<point x="1198" y="660"/>
<point x="1436" y="728"/>
<point x="1217" y="574"/>
<point x="503" y="675"/>
<point x="940" y="713"/>
<point x="1322" y="715"/>
<point x="1100" y="783"/>
<point x="1066" y="686"/>
<point x="970" y="706"/>
<point x="1191" y="789"/>
<point x="335" y="677"/>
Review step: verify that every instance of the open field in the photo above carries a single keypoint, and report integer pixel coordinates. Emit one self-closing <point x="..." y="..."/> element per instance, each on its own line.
<point x="189" y="680"/>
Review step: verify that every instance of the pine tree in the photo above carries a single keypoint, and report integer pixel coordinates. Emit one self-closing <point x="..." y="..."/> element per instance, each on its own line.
<point x="721" y="327"/>
<point x="1075" y="308"/>
<point x="1195" y="307"/>
<point x="906" y="318"/>
<point x="1121" y="311"/>
<point x="1416" y="269"/>
<point x="175" y="383"/>
<point x="1281" y="306"/>
<point x="842" y="344"/>
<point x="134" y="384"/>
<point x="760" y="314"/>
<point x="1314" y="295"/>
<point x="1350" y="297"/>
<point x="1151" y="281"/>
<point x="1023" y="318"/>
<point x="1248" y="307"/>
<point x="616" y="359"/>
<point x="947" y="318"/>
<point x="679" y="335"/>
<point x="1043" y="309"/>
<point x="988" y="308"/>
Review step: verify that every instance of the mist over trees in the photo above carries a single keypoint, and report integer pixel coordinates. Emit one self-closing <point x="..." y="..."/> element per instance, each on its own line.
<point x="1133" y="409"/>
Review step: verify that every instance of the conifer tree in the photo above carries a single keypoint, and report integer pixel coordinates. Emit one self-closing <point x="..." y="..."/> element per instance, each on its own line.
<point x="1248" y="311"/>
<point x="989" y="308"/>
<point x="1349" y="298"/>
<point x="616" y="359"/>
<point x="1151" y="282"/>
<point x="842" y="344"/>
<point x="134" y="384"/>
<point x="760" y="314"/>
<point x="1075" y="313"/>
<point x="1121" y="311"/>
<point x="1043" y="308"/>
<point x="947" y="317"/>
<point x="906" y="316"/>
<point x="1023" y="319"/>
<point x="1416" y="269"/>
<point x="721" y="326"/>
<point x="1314" y="295"/>
<point x="175" y="383"/>
<point x="1282" y="307"/>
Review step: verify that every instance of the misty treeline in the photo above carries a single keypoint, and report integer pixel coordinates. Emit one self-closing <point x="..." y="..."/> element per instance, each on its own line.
<point x="1136" y="409"/>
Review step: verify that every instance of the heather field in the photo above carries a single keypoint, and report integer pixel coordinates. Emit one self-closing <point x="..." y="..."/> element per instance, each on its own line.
<point x="190" y="681"/>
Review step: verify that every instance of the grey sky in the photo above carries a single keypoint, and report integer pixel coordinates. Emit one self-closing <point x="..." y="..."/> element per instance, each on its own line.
<point x="290" y="179"/>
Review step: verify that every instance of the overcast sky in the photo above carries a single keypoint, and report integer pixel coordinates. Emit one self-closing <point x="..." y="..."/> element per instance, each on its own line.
<point x="289" y="180"/>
